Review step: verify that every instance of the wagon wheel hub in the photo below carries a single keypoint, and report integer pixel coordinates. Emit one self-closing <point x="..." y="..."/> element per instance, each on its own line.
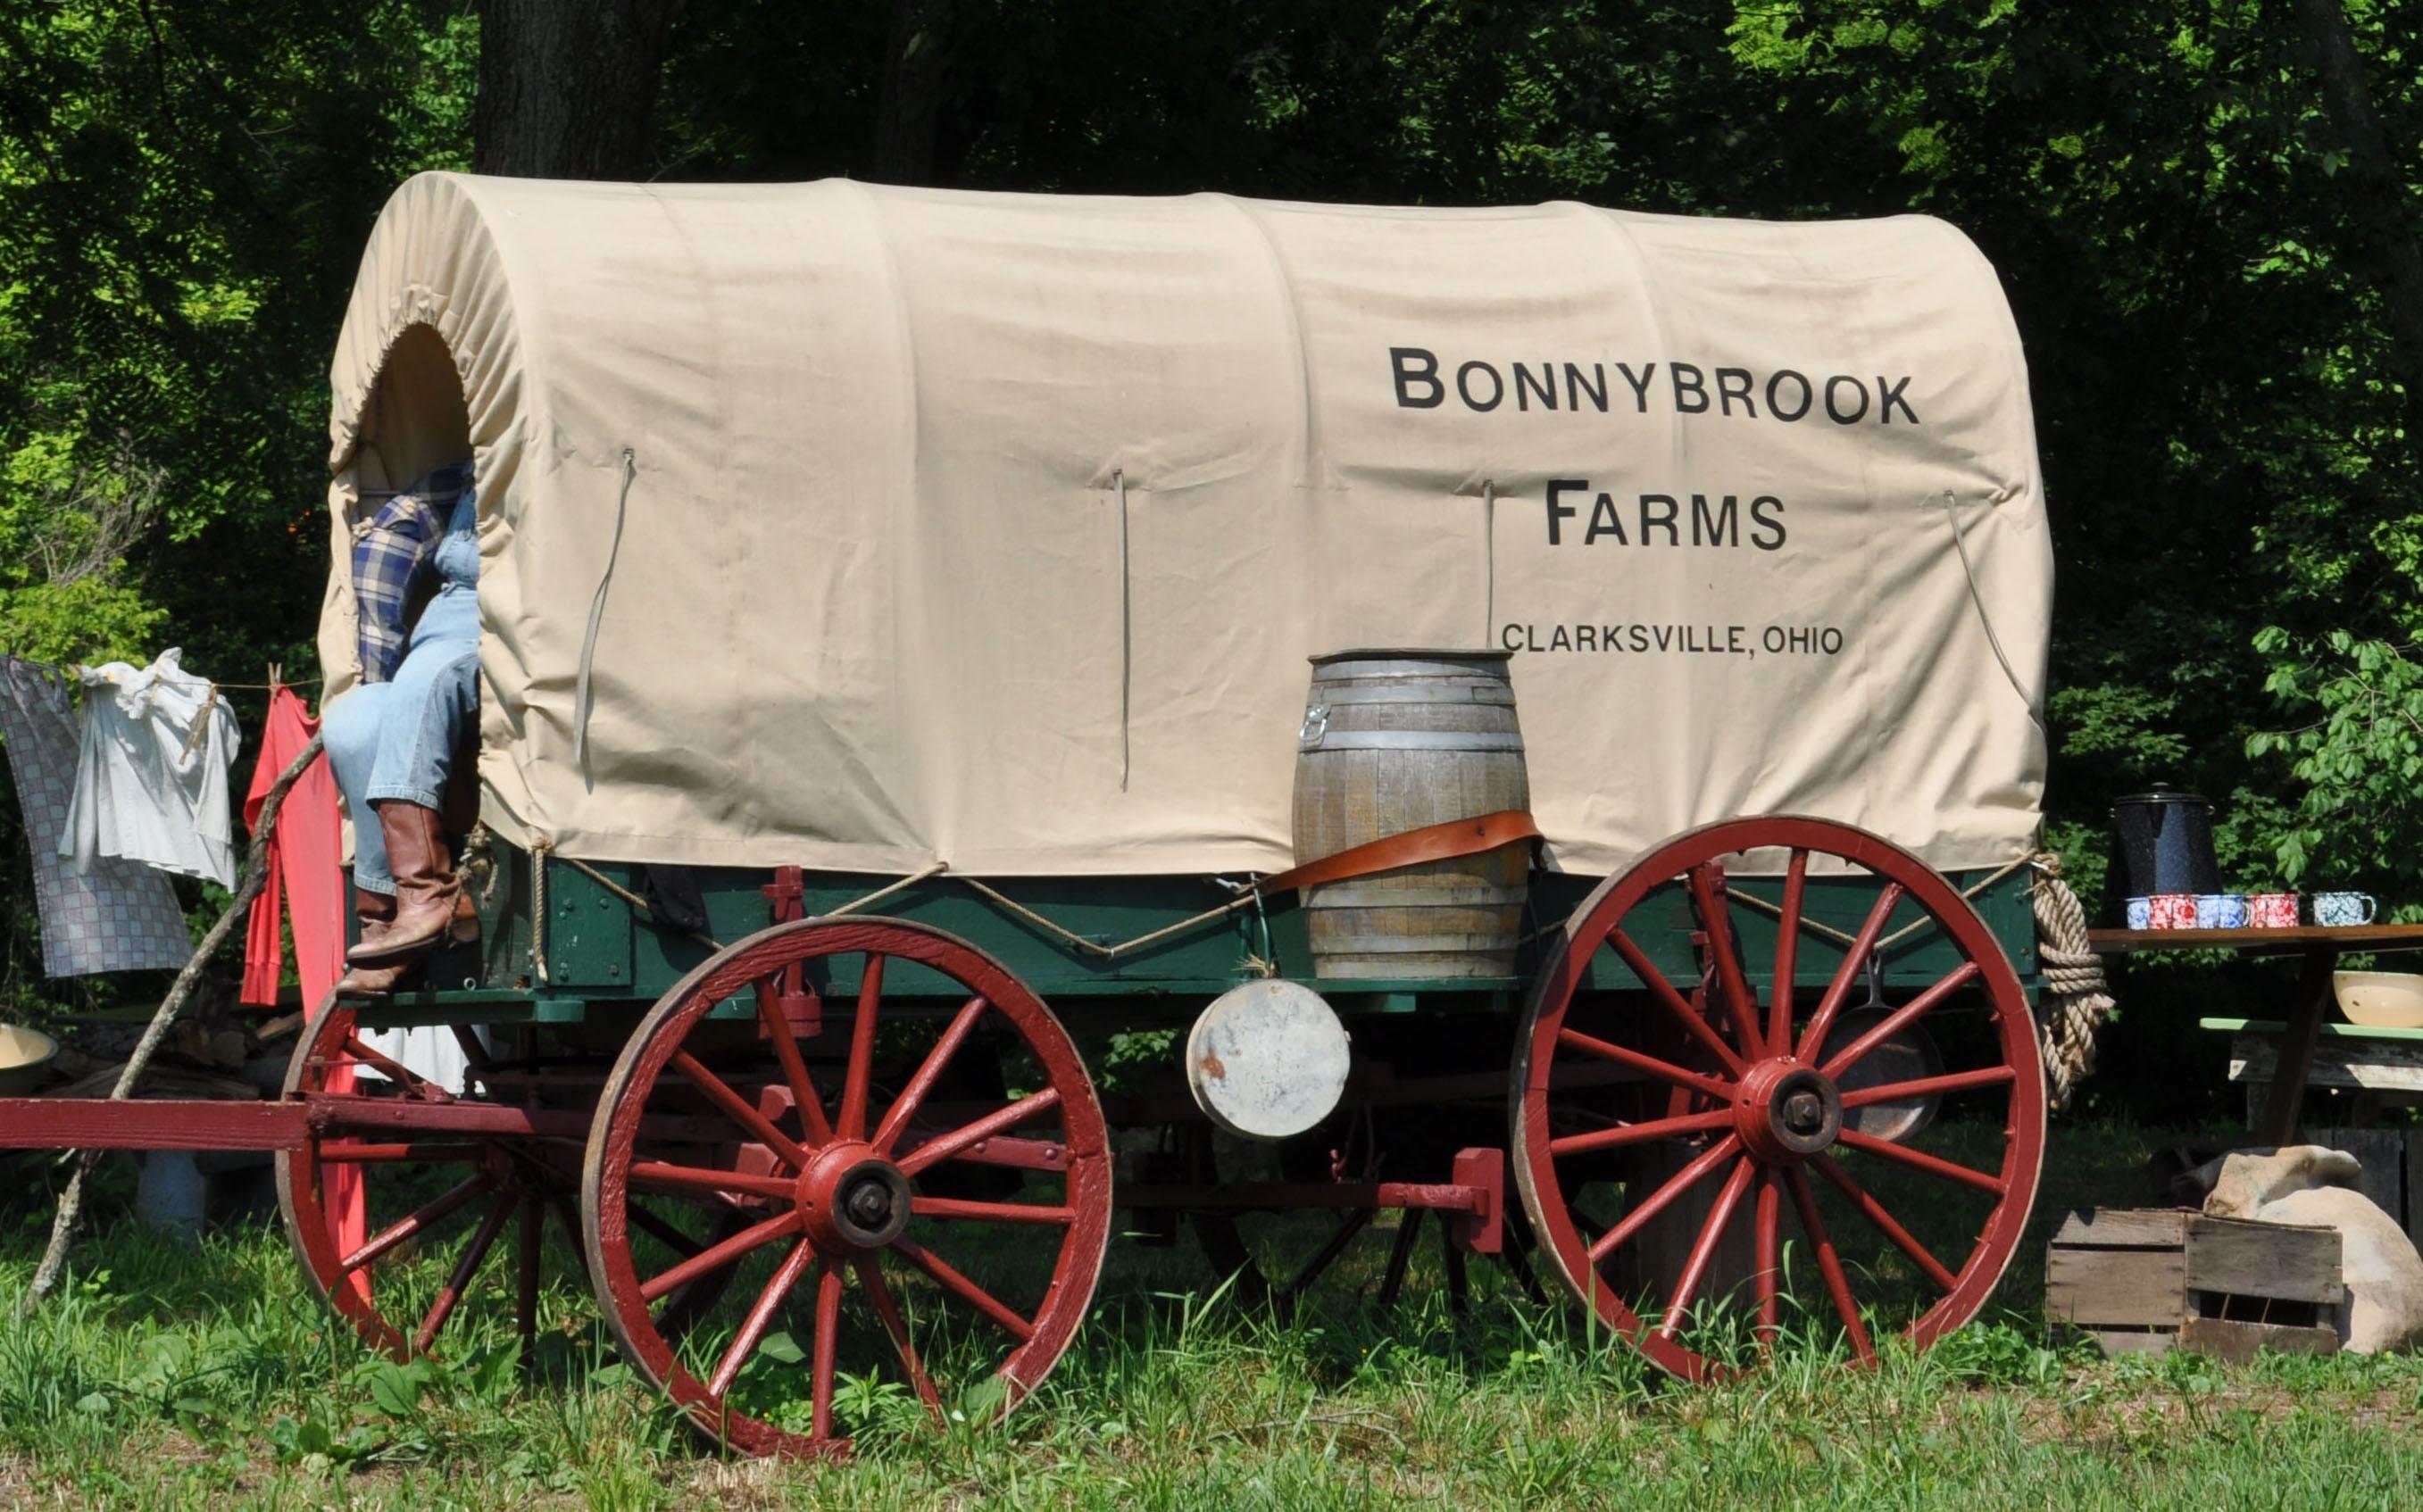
<point x="1786" y="1112"/>
<point x="852" y="1199"/>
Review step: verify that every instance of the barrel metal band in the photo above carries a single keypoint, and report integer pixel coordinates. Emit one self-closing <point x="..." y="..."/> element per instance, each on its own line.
<point x="1497" y="695"/>
<point x="1416" y="740"/>
<point x="1340" y="895"/>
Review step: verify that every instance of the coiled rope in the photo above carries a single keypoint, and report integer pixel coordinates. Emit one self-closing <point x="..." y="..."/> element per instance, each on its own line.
<point x="2076" y="999"/>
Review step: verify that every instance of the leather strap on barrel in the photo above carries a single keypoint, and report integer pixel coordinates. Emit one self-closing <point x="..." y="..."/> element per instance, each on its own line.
<point x="1432" y="842"/>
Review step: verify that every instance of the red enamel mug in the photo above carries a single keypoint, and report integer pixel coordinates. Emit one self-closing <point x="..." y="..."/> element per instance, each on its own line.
<point x="2271" y="910"/>
<point x="2170" y="911"/>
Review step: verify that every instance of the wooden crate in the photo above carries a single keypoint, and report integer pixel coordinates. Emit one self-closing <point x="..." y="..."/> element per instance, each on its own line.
<point x="2143" y="1281"/>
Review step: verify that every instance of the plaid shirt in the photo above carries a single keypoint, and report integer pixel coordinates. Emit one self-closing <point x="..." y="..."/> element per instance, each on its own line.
<point x="391" y="557"/>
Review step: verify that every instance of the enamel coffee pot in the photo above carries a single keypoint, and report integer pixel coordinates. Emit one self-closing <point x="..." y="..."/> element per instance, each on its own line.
<point x="2163" y="842"/>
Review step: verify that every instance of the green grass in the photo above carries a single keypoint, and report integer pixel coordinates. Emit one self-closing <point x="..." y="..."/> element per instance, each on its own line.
<point x="170" y="1376"/>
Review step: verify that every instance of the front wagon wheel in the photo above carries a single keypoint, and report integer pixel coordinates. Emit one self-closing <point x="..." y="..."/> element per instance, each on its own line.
<point x="1713" y="1161"/>
<point x="912" y="1172"/>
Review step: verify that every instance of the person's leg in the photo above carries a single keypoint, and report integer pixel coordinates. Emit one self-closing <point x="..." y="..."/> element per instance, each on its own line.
<point x="434" y="703"/>
<point x="351" y="727"/>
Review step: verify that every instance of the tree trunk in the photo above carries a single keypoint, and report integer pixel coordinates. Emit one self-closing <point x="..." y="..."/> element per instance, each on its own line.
<point x="2378" y="197"/>
<point x="910" y="97"/>
<point x="568" y="87"/>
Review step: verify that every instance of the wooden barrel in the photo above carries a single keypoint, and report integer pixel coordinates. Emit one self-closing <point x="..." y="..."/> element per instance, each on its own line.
<point x="1392" y="741"/>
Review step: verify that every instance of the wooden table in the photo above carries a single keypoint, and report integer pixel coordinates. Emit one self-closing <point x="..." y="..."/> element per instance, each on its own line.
<point x="2319" y="949"/>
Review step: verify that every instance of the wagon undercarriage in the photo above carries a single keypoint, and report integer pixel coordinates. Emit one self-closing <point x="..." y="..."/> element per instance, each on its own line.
<point x="856" y="1154"/>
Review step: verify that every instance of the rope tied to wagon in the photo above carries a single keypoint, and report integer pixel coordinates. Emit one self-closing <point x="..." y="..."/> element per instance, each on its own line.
<point x="2077" y="1000"/>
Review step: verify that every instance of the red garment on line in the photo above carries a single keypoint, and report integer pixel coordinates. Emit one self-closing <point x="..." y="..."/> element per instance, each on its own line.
<point x="303" y="865"/>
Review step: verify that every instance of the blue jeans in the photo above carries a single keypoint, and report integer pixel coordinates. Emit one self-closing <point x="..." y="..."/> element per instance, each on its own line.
<point x="397" y="739"/>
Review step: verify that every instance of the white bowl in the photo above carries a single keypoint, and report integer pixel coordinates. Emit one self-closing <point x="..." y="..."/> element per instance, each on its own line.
<point x="24" y="1053"/>
<point x="2379" y="999"/>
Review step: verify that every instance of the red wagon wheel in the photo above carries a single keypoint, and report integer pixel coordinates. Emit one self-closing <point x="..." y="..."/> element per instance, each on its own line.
<point x="440" y="1204"/>
<point x="927" y="1204"/>
<point x="1730" y="1123"/>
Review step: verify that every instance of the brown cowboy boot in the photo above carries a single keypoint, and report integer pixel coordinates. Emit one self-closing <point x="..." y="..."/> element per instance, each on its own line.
<point x="425" y="886"/>
<point x="376" y="912"/>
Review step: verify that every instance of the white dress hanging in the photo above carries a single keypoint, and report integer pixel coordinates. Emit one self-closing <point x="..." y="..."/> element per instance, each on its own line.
<point x="151" y="776"/>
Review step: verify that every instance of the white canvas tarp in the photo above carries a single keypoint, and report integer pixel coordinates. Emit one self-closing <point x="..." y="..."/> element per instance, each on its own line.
<point x="871" y="598"/>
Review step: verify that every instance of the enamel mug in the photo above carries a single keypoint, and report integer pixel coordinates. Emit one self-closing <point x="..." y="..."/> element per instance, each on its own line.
<point x="2271" y="910"/>
<point x="2220" y="911"/>
<point x="2140" y="914"/>
<point x="2170" y="911"/>
<point x="2340" y="909"/>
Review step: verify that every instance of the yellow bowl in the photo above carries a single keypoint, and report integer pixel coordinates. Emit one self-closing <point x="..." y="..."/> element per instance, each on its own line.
<point x="24" y="1053"/>
<point x="2379" y="999"/>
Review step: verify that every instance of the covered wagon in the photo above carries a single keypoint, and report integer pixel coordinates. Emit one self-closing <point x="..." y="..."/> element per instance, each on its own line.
<point x="1525" y="719"/>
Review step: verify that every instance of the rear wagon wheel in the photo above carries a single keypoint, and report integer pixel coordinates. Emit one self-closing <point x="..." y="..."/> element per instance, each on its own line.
<point x="1660" y="1134"/>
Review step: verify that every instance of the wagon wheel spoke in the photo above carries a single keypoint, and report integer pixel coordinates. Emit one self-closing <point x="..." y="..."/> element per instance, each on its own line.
<point x="1647" y="1064"/>
<point x="795" y="1069"/>
<point x="1351" y="1224"/>
<point x="526" y="1281"/>
<point x="663" y="1233"/>
<point x="1515" y="1257"/>
<point x="716" y="1256"/>
<point x="1662" y="993"/>
<point x="1655" y="1128"/>
<point x="887" y="1307"/>
<point x="1707" y="886"/>
<point x="466" y="1039"/>
<point x="1392" y="1278"/>
<point x="1900" y="1018"/>
<point x="1788" y="953"/>
<point x="1658" y="1201"/>
<point x="410" y="1081"/>
<point x="1002" y="1120"/>
<point x="464" y="1268"/>
<point x="827" y="1341"/>
<point x="1829" y="1264"/>
<point x="739" y="1108"/>
<point x="961" y="1286"/>
<point x="1862" y="946"/>
<point x="414" y="1222"/>
<point x="928" y="1072"/>
<point x="1992" y="1076"/>
<point x="979" y="1212"/>
<point x="1459" y="1280"/>
<point x="761" y="1317"/>
<point x="1874" y="1211"/>
<point x="657" y="1176"/>
<point x="1767" y="1260"/>
<point x="1920" y="1160"/>
<point x="1703" y="1249"/>
<point x="852" y="1123"/>
<point x="566" y="1219"/>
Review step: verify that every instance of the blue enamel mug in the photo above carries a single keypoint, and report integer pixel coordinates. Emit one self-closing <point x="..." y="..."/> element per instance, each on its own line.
<point x="2220" y="911"/>
<point x="2341" y="909"/>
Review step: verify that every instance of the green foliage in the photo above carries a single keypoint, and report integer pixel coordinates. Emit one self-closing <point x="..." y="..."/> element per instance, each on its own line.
<point x="2360" y="759"/>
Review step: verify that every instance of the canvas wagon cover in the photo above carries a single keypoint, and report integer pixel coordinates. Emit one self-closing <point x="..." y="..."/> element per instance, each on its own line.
<point x="870" y="599"/>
